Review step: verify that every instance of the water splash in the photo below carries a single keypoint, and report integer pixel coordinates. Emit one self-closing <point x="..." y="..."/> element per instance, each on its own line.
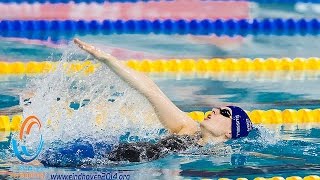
<point x="95" y="107"/>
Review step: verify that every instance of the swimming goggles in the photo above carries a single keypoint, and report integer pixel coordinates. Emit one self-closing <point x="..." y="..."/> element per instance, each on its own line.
<point x="225" y="112"/>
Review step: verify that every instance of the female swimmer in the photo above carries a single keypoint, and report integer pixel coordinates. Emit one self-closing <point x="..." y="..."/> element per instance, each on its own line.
<point x="222" y="124"/>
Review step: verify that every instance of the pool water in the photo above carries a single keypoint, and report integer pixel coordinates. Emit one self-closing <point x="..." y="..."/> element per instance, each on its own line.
<point x="266" y="152"/>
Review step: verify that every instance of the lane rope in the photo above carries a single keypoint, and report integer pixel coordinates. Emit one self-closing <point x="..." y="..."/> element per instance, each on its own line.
<point x="135" y="1"/>
<point x="76" y="1"/>
<point x="265" y="117"/>
<point x="173" y="65"/>
<point x="43" y="29"/>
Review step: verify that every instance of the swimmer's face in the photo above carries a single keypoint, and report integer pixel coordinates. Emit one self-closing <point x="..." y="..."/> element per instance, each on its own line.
<point x="218" y="123"/>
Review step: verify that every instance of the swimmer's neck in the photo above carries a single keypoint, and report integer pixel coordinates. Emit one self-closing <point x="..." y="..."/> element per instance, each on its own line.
<point x="211" y="139"/>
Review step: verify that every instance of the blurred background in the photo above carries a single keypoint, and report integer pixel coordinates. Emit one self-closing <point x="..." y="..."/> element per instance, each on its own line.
<point x="126" y="46"/>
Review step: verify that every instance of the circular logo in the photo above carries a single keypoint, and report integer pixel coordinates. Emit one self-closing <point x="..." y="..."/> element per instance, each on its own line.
<point x="24" y="155"/>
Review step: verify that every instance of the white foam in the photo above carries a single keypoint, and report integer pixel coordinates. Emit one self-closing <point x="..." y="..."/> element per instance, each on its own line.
<point x="99" y="119"/>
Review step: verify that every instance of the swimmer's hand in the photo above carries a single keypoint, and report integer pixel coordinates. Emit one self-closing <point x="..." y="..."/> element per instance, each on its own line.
<point x="97" y="53"/>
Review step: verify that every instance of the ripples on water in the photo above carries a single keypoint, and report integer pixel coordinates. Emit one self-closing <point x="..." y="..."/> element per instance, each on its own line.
<point x="100" y="107"/>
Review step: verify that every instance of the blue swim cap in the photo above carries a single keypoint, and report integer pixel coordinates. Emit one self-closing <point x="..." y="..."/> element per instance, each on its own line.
<point x="241" y="124"/>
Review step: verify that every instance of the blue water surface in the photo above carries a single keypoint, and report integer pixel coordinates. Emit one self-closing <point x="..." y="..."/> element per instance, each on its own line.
<point x="267" y="152"/>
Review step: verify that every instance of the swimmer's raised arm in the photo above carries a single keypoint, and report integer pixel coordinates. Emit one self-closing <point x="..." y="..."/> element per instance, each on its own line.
<point x="169" y="114"/>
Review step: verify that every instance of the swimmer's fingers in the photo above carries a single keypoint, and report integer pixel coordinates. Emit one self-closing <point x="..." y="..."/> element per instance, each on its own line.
<point x="98" y="54"/>
<point x="88" y="48"/>
<point x="83" y="45"/>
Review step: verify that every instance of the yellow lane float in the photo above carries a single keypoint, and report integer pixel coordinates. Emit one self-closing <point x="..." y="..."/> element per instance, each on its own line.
<point x="172" y="65"/>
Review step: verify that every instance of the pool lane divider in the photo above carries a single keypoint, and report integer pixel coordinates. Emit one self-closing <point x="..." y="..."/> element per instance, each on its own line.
<point x="303" y="118"/>
<point x="146" y="1"/>
<point x="43" y="29"/>
<point x="10" y="123"/>
<point x="171" y="65"/>
<point x="226" y="64"/>
<point x="273" y="116"/>
<point x="77" y="1"/>
<point x="160" y="10"/>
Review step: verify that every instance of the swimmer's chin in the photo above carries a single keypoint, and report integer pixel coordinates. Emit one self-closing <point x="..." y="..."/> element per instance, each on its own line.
<point x="203" y="124"/>
<point x="204" y="129"/>
<point x="209" y="137"/>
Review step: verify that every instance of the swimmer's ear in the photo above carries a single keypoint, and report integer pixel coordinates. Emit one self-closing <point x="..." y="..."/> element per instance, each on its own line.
<point x="229" y="135"/>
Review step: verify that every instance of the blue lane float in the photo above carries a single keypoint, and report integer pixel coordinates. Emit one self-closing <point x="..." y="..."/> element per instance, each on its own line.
<point x="40" y="29"/>
<point x="135" y="1"/>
